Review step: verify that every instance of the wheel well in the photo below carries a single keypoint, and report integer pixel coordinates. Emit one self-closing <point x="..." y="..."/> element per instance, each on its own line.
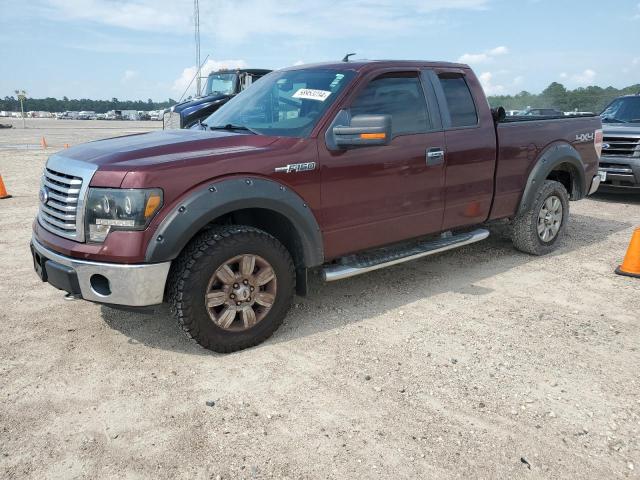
<point x="273" y="223"/>
<point x="566" y="174"/>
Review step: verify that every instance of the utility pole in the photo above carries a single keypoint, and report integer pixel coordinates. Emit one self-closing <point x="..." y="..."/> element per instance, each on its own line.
<point x="196" y="24"/>
<point x="22" y="96"/>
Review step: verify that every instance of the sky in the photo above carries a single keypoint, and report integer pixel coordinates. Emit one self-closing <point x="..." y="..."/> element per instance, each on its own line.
<point x="140" y="49"/>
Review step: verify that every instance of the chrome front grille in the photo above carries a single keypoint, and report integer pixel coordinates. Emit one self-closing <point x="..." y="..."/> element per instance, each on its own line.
<point x="621" y="147"/>
<point x="59" y="202"/>
<point x="62" y="196"/>
<point x="171" y="121"/>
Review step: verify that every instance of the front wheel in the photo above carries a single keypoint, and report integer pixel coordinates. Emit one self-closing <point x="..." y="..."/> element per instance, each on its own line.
<point x="231" y="287"/>
<point x="538" y="230"/>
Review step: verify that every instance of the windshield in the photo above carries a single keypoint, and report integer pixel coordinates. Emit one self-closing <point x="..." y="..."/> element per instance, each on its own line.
<point x="286" y="103"/>
<point x="223" y="83"/>
<point x="622" y="110"/>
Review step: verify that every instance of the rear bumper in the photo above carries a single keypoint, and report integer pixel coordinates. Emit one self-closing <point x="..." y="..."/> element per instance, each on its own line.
<point x="135" y="285"/>
<point x="595" y="184"/>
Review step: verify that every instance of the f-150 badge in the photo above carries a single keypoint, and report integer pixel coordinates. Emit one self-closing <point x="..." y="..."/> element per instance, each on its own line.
<point x="296" y="167"/>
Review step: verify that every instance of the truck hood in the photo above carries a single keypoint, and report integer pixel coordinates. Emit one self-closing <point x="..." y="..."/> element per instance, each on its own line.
<point x="199" y="101"/>
<point x="147" y="150"/>
<point x="621" y="129"/>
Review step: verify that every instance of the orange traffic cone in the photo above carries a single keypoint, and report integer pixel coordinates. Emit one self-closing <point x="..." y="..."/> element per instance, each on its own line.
<point x="3" y="190"/>
<point x="631" y="264"/>
<point x="43" y="143"/>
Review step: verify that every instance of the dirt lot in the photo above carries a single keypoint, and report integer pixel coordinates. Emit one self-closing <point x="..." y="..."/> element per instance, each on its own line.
<point x="478" y="363"/>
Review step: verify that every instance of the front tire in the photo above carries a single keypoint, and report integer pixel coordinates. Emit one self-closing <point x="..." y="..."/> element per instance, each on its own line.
<point x="231" y="287"/>
<point x="538" y="230"/>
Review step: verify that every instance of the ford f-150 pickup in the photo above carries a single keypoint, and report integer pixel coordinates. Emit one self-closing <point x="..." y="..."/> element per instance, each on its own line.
<point x="338" y="168"/>
<point x="620" y="163"/>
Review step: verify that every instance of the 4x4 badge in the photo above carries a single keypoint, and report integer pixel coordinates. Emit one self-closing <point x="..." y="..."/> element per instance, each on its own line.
<point x="296" y="167"/>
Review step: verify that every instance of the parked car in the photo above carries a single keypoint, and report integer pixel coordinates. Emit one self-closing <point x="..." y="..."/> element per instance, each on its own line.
<point x="114" y="115"/>
<point x="543" y="112"/>
<point x="341" y="168"/>
<point x="86" y="115"/>
<point x="221" y="87"/>
<point x="620" y="165"/>
<point x="576" y="112"/>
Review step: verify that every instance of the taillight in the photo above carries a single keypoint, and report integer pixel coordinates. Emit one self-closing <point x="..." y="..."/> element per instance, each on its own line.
<point x="597" y="142"/>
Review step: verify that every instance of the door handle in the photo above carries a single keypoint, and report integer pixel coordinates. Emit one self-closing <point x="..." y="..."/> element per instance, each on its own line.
<point x="435" y="156"/>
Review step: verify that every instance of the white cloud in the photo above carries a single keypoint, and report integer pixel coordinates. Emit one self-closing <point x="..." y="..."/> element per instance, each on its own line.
<point x="490" y="88"/>
<point x="493" y="87"/>
<point x="473" y="58"/>
<point x="180" y="84"/>
<point x="129" y="75"/>
<point x="274" y="17"/>
<point x="502" y="50"/>
<point x="584" y="78"/>
<point x="145" y="15"/>
<point x="484" y="57"/>
<point x="299" y="62"/>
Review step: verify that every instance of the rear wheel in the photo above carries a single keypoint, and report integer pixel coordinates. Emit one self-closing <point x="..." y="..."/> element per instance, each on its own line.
<point x="538" y="230"/>
<point x="231" y="287"/>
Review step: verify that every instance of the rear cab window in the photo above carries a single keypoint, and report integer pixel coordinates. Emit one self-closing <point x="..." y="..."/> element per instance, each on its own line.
<point x="457" y="94"/>
<point x="398" y="94"/>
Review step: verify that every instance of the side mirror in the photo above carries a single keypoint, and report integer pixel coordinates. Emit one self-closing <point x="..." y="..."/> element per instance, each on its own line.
<point x="363" y="130"/>
<point x="499" y="114"/>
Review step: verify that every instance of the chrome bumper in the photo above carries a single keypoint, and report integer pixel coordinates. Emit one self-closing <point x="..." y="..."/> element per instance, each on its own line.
<point x="137" y="285"/>
<point x="595" y="184"/>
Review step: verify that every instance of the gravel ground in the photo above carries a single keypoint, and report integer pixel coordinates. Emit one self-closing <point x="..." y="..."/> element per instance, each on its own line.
<point x="477" y="363"/>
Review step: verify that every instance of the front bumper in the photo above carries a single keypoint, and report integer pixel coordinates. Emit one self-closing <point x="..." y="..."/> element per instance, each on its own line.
<point x="623" y="173"/>
<point x="136" y="285"/>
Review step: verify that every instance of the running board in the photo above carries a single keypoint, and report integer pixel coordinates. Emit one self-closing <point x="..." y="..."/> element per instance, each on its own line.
<point x="385" y="257"/>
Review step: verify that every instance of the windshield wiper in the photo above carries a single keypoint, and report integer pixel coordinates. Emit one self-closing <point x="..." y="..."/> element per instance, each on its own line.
<point x="230" y="126"/>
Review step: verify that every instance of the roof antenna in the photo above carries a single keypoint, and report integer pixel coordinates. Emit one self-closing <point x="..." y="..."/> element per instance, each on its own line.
<point x="346" y="57"/>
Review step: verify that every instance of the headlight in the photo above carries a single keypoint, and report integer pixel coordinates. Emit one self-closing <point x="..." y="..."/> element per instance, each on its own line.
<point x="120" y="209"/>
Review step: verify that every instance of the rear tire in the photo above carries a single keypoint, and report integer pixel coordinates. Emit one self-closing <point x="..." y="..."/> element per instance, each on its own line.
<point x="538" y="230"/>
<point x="220" y="303"/>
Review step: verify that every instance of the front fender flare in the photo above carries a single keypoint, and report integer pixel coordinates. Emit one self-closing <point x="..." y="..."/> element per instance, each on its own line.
<point x="550" y="159"/>
<point x="205" y="204"/>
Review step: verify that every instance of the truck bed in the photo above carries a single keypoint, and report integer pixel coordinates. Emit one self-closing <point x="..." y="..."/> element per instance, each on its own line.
<point x="522" y="140"/>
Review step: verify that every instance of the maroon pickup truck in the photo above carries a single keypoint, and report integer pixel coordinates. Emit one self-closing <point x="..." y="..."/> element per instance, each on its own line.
<point x="341" y="168"/>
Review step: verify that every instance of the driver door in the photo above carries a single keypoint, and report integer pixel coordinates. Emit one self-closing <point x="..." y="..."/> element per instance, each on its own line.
<point x="377" y="195"/>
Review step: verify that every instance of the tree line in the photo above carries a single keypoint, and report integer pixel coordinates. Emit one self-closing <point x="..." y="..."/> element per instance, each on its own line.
<point x="49" y="104"/>
<point x="584" y="99"/>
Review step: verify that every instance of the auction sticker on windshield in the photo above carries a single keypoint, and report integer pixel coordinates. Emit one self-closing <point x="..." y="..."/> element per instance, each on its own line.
<point x="311" y="94"/>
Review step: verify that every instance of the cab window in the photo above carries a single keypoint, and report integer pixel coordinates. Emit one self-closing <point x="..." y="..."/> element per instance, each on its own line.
<point x="459" y="100"/>
<point x="399" y="95"/>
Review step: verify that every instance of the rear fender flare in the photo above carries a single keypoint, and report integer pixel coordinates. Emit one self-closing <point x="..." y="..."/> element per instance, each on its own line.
<point x="204" y="205"/>
<point x="549" y="160"/>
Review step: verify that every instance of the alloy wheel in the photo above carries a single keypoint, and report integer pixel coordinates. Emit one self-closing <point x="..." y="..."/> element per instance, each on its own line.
<point x="241" y="292"/>
<point x="550" y="218"/>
